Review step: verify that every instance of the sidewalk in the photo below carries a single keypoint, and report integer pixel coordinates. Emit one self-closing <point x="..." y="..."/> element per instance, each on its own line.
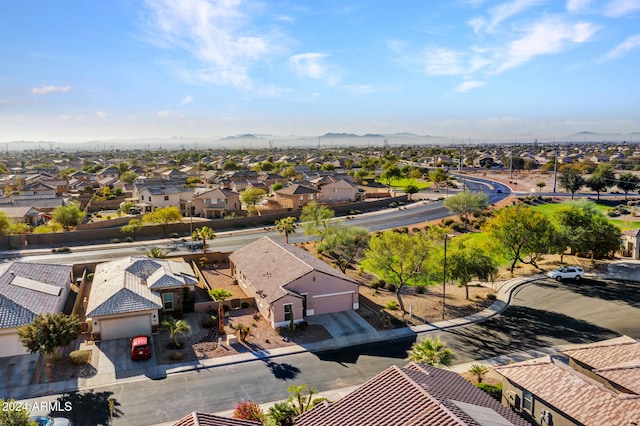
<point x="107" y="373"/>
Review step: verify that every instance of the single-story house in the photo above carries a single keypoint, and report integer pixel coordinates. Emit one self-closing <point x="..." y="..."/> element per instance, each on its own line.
<point x="288" y="283"/>
<point x="127" y="295"/>
<point x="595" y="384"/>
<point x="204" y="419"/>
<point x="26" y="291"/>
<point x="28" y="215"/>
<point x="416" y="394"/>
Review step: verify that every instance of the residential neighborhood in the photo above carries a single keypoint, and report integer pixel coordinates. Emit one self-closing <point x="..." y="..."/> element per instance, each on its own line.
<point x="331" y="251"/>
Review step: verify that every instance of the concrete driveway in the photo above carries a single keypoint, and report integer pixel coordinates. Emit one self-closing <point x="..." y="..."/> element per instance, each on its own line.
<point x="340" y="324"/>
<point x="16" y="373"/>
<point x="115" y="357"/>
<point x="627" y="270"/>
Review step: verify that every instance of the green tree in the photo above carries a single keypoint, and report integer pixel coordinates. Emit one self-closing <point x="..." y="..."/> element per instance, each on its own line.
<point x="47" y="333"/>
<point x="432" y="351"/>
<point x="205" y="233"/>
<point x="316" y="219"/>
<point x="289" y="173"/>
<point x="128" y="176"/>
<point x="230" y="165"/>
<point x="5" y="223"/>
<point x="465" y="203"/>
<point x="12" y="414"/>
<point x="163" y="216"/>
<point x="68" y="215"/>
<point x="466" y="261"/>
<point x="156" y="253"/>
<point x="520" y="233"/>
<point x="571" y="179"/>
<point x="301" y="397"/>
<point x="345" y="244"/>
<point x="602" y="179"/>
<point x="220" y="295"/>
<point x="132" y="227"/>
<point x="399" y="256"/>
<point x="540" y="185"/>
<point x="438" y="175"/>
<point x="479" y="371"/>
<point x="391" y="173"/>
<point x="252" y="196"/>
<point x="282" y="413"/>
<point x="628" y="182"/>
<point x="587" y="230"/>
<point x="175" y="327"/>
<point x="286" y="225"/>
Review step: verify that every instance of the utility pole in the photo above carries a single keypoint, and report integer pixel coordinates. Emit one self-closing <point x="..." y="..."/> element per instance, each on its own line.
<point x="555" y="170"/>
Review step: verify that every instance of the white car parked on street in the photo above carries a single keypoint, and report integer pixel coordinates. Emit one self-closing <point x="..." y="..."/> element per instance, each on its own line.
<point x="567" y="272"/>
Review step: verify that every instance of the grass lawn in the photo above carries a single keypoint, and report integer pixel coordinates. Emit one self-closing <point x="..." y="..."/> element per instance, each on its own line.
<point x="549" y="209"/>
<point x="404" y="182"/>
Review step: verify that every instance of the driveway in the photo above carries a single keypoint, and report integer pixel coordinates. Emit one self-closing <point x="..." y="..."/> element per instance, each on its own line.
<point x="115" y="358"/>
<point x="16" y="372"/>
<point x="340" y="324"/>
<point x="627" y="270"/>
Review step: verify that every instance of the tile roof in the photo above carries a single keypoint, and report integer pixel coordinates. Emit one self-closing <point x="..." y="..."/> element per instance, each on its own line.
<point x="272" y="265"/>
<point x="19" y="305"/>
<point x="581" y="398"/>
<point x="130" y="284"/>
<point x="416" y="395"/>
<point x="203" y="419"/>
<point x="296" y="189"/>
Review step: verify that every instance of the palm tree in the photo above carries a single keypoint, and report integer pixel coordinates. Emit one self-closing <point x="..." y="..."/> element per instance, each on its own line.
<point x="205" y="233"/>
<point x="479" y="371"/>
<point x="156" y="252"/>
<point x="282" y="413"/>
<point x="175" y="327"/>
<point x="432" y="352"/>
<point x="220" y="295"/>
<point x="286" y="225"/>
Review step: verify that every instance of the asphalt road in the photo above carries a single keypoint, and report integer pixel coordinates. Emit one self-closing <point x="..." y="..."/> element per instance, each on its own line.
<point x="542" y="314"/>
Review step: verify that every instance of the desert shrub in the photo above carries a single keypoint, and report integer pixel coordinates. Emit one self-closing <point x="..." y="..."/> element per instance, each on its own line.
<point x="90" y="276"/>
<point x="491" y="296"/>
<point x="176" y="356"/>
<point x="378" y="284"/>
<point x="114" y="240"/>
<point x="392" y="205"/>
<point x="391" y="305"/>
<point x="242" y="331"/>
<point x="494" y="391"/>
<point x="613" y="213"/>
<point x="128" y="239"/>
<point x="244" y="305"/>
<point x="79" y="357"/>
<point x="248" y="410"/>
<point x="420" y="289"/>
<point x="447" y="221"/>
<point x="391" y="287"/>
<point x="208" y="322"/>
<point x="174" y="235"/>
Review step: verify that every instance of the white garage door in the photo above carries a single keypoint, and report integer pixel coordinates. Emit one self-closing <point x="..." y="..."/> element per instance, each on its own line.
<point x="125" y="327"/>
<point x="10" y="345"/>
<point x="333" y="303"/>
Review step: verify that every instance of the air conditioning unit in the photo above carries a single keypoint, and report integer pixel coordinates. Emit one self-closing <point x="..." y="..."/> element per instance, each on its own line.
<point x="545" y="417"/>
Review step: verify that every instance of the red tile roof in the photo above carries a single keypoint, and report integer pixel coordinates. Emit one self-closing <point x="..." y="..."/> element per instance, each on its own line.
<point x="203" y="419"/>
<point x="413" y="395"/>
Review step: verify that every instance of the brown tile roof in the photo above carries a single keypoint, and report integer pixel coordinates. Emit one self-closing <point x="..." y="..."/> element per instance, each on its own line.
<point x="413" y="395"/>
<point x="577" y="396"/>
<point x="296" y="189"/>
<point x="203" y="419"/>
<point x="271" y="265"/>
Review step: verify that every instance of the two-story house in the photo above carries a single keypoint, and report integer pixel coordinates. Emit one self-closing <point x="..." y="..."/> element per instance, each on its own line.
<point x="157" y="196"/>
<point x="296" y="196"/>
<point x="216" y="203"/>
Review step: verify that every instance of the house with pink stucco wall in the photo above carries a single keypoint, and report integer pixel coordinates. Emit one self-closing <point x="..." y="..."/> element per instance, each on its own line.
<point x="288" y="283"/>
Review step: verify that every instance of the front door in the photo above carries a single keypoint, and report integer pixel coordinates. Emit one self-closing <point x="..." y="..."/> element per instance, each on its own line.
<point x="304" y="305"/>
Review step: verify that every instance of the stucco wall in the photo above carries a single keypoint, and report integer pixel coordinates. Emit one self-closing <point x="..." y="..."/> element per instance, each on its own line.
<point x="318" y="283"/>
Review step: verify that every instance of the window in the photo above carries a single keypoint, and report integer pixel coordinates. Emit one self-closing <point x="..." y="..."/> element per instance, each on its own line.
<point x="167" y="301"/>
<point x="166" y="198"/>
<point x="288" y="312"/>
<point x="527" y="401"/>
<point x="214" y="201"/>
<point x="301" y="197"/>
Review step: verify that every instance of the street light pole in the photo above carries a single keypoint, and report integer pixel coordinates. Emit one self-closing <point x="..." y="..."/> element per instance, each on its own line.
<point x="444" y="279"/>
<point x="191" y="223"/>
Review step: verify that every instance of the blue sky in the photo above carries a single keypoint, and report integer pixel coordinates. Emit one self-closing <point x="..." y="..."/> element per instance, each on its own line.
<point x="76" y="70"/>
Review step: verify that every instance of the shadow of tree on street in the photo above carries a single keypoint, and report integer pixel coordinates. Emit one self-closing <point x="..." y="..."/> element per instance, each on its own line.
<point x="522" y="328"/>
<point x="282" y="371"/>
<point x="87" y="408"/>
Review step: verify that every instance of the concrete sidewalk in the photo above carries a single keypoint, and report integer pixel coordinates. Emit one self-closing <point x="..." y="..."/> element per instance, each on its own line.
<point x="107" y="375"/>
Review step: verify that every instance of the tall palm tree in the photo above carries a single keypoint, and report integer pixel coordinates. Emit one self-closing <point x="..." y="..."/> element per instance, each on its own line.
<point x="175" y="327"/>
<point x="432" y="352"/>
<point x="205" y="233"/>
<point x="220" y="295"/>
<point x="286" y="225"/>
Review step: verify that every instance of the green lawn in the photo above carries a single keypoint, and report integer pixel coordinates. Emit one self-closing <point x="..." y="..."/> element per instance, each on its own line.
<point x="549" y="209"/>
<point x="404" y="182"/>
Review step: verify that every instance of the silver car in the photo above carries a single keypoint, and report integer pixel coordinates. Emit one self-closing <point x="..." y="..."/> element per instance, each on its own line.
<point x="567" y="272"/>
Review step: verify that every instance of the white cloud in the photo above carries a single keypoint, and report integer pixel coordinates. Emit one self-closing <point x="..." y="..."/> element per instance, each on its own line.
<point x="168" y="114"/>
<point x="623" y="48"/>
<point x="187" y="100"/>
<point x="216" y="33"/>
<point x="45" y="90"/>
<point x="578" y="6"/>
<point x="441" y="61"/>
<point x="501" y="13"/>
<point x="618" y="8"/>
<point x="312" y="65"/>
<point x="470" y="85"/>
<point x="549" y="36"/>
<point x="101" y="115"/>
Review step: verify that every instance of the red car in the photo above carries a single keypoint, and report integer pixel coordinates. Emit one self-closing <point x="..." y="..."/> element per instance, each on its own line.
<point x="140" y="348"/>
